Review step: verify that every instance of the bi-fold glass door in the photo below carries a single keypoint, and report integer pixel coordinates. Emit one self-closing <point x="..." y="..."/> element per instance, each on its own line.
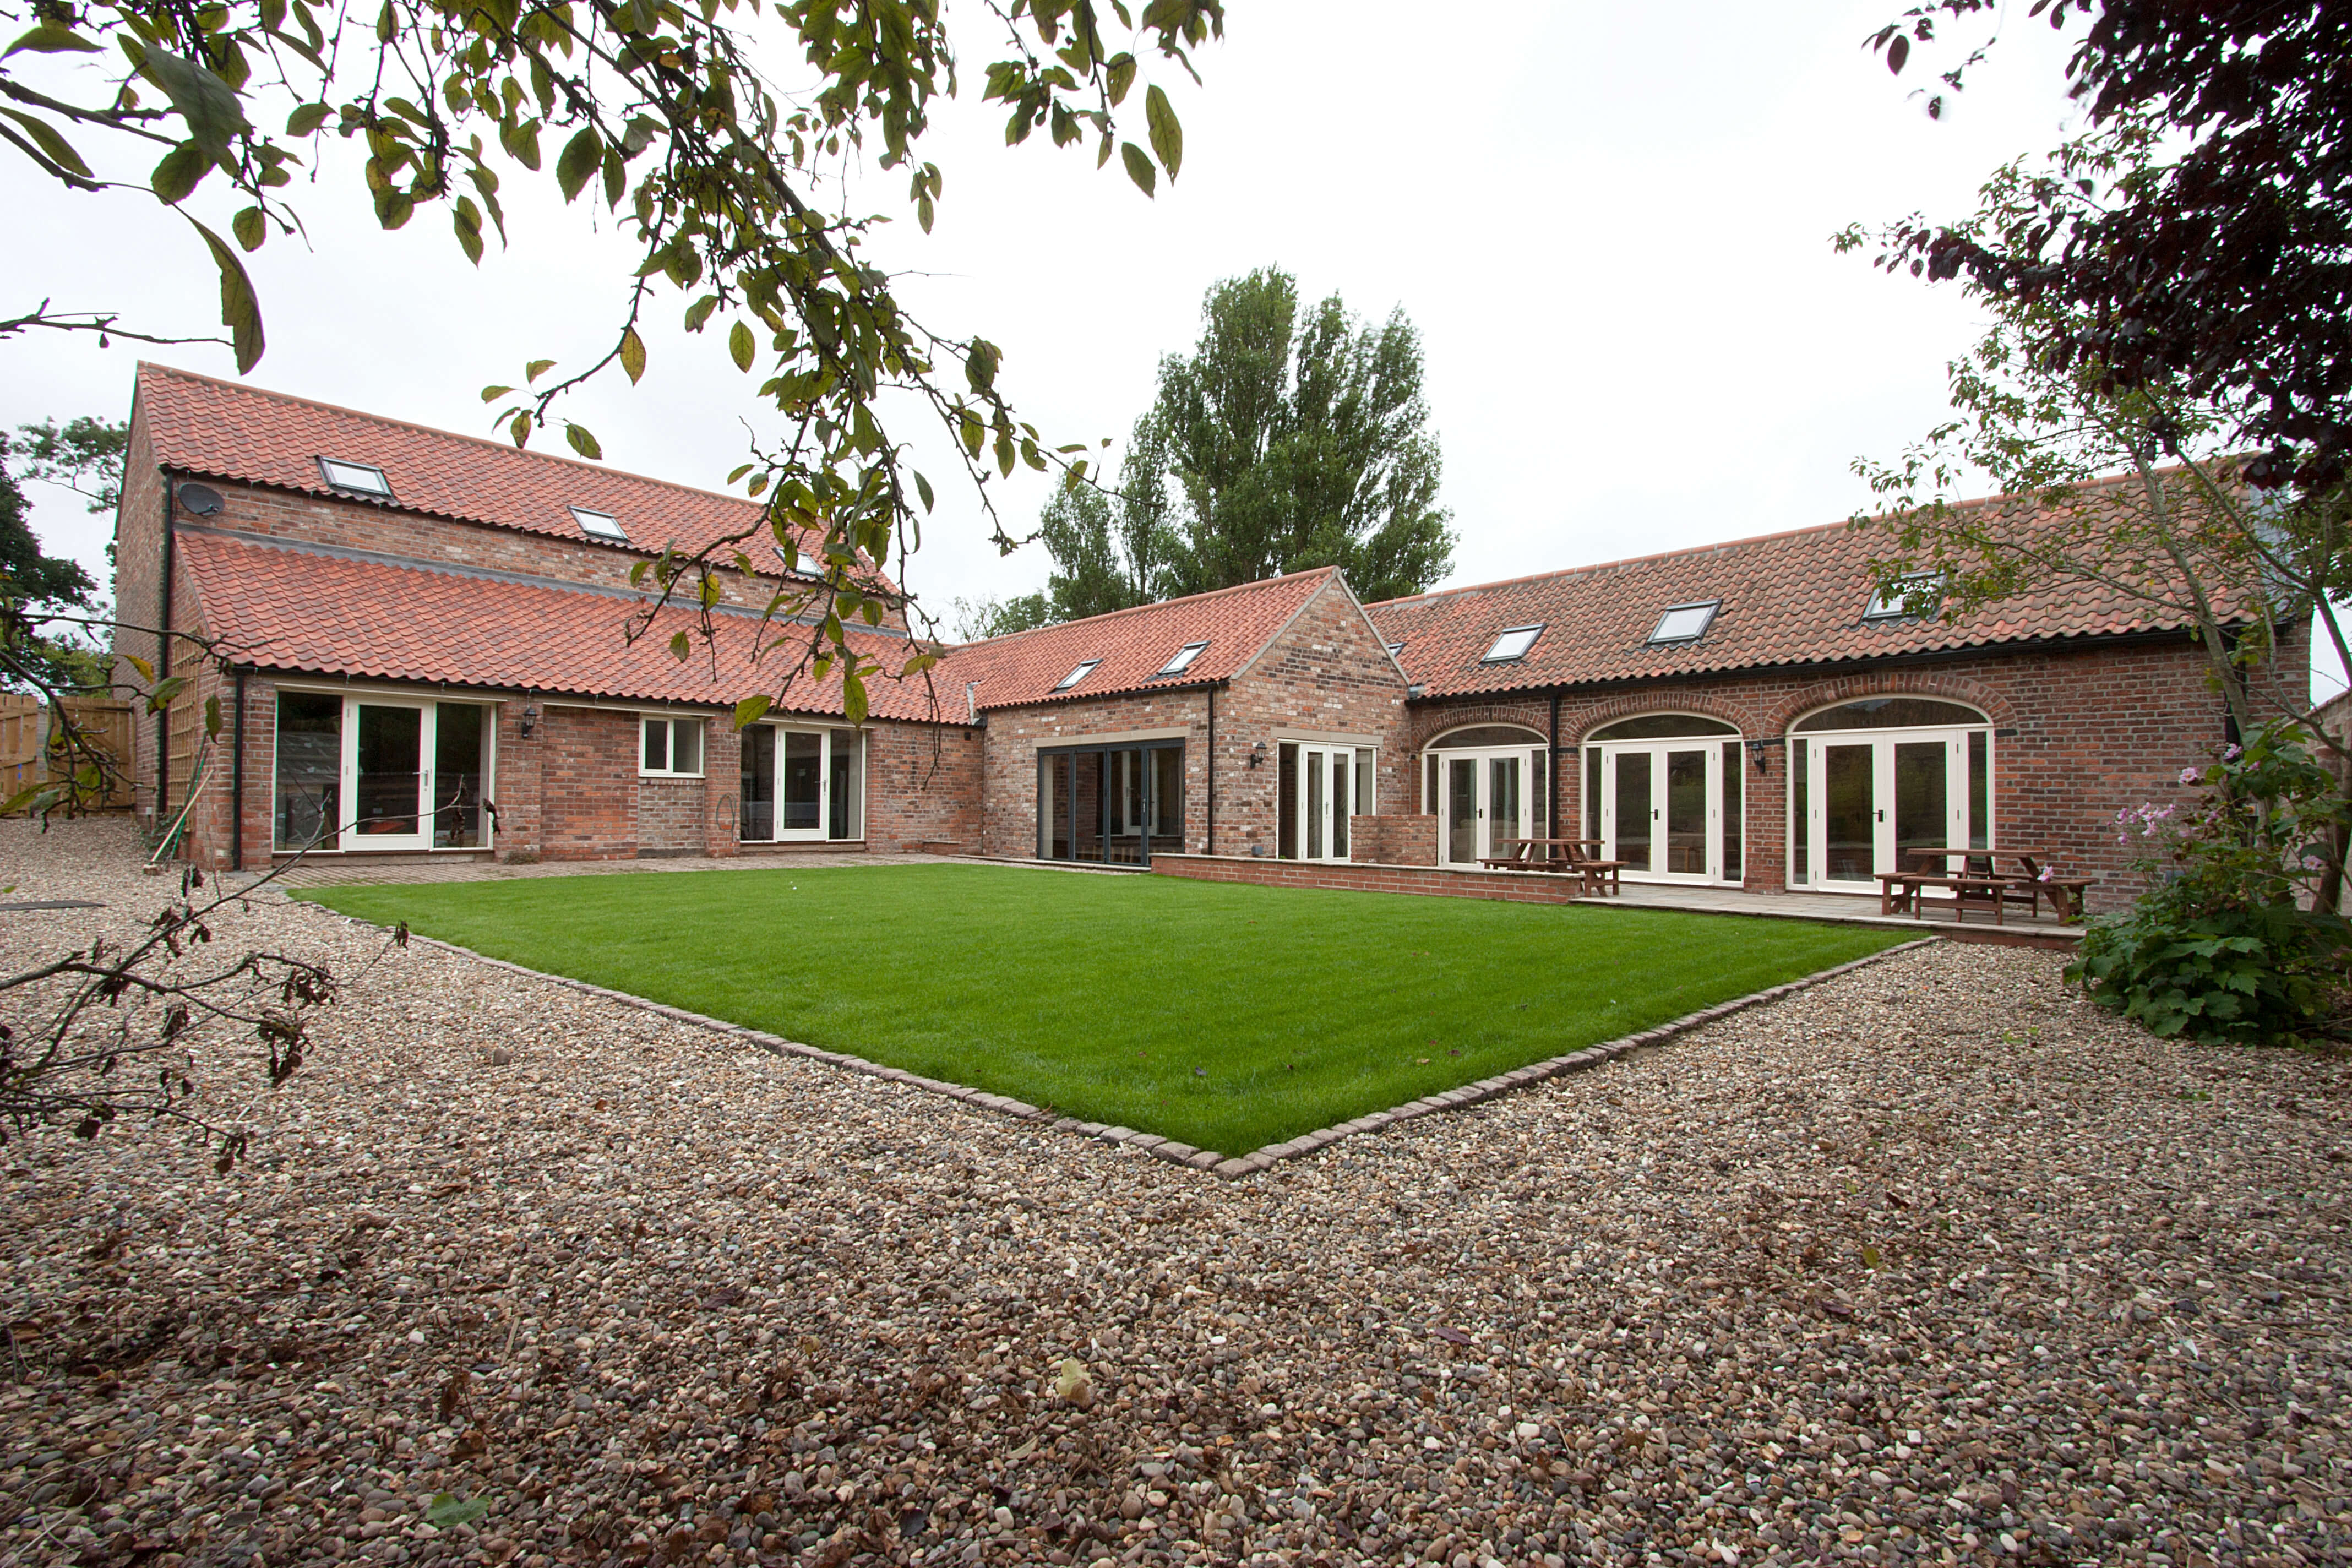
<point x="1484" y="798"/>
<point x="1317" y="786"/>
<point x="1111" y="806"/>
<point x="1863" y="801"/>
<point x="379" y="773"/>
<point x="801" y="784"/>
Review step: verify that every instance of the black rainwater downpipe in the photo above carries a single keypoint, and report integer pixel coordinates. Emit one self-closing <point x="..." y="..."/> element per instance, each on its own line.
<point x="237" y="779"/>
<point x="1211" y="849"/>
<point x="1551" y="779"/>
<point x="164" y="660"/>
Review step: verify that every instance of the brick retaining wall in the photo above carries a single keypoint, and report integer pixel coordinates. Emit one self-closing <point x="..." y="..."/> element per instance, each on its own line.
<point x="1508" y="887"/>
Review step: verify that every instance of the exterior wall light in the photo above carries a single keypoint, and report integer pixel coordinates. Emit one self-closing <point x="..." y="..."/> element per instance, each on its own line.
<point x="1763" y="758"/>
<point x="1257" y="754"/>
<point x="527" y="720"/>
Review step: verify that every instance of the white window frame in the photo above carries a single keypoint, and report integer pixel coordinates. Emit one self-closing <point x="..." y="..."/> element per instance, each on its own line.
<point x="1658" y="637"/>
<point x="1886" y="604"/>
<point x="1495" y="654"/>
<point x="1085" y="668"/>
<point x="669" y="745"/>
<point x="382" y="489"/>
<point x="1183" y="660"/>
<point x="346" y="838"/>
<point x="605" y="526"/>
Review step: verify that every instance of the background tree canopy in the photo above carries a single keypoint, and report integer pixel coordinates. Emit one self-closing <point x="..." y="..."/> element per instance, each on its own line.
<point x="1276" y="445"/>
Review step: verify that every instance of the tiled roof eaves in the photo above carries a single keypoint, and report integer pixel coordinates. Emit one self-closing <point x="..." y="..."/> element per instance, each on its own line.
<point x="496" y="574"/>
<point x="1937" y="654"/>
<point x="1080" y="694"/>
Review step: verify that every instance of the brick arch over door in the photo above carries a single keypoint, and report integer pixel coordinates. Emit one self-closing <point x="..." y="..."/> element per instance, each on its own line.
<point x="1641" y="705"/>
<point x="1534" y="717"/>
<point x="1892" y="683"/>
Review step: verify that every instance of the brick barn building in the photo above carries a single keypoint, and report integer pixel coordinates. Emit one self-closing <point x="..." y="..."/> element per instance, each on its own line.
<point x="429" y="656"/>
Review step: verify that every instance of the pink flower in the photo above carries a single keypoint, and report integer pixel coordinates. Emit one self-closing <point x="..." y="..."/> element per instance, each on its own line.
<point x="2188" y="776"/>
<point x="2048" y="872"/>
<point x="2233" y="753"/>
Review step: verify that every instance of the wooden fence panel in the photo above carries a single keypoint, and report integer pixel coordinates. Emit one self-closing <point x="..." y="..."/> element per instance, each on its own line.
<point x="25" y="723"/>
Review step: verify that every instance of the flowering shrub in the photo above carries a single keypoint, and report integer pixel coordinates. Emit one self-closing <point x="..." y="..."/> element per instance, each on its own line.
<point x="2225" y="943"/>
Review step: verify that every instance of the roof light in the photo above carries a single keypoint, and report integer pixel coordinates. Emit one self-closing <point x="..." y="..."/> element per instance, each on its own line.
<point x="1183" y="660"/>
<point x="602" y="524"/>
<point x="1513" y="644"/>
<point x="360" y="479"/>
<point x="1077" y="675"/>
<point x="1686" y="623"/>
<point x="1886" y="604"/>
<point x="1396" y="650"/>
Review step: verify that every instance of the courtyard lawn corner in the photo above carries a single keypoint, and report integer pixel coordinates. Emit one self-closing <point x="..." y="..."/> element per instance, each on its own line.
<point x="1224" y="1015"/>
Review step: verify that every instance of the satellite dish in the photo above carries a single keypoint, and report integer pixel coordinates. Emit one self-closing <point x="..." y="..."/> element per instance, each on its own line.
<point x="200" y="501"/>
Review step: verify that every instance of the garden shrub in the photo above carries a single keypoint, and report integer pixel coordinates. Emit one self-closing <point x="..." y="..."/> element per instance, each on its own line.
<point x="2225" y="943"/>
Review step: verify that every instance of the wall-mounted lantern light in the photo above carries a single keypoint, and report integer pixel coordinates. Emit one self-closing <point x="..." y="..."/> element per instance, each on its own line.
<point x="1762" y="758"/>
<point x="527" y="720"/>
<point x="1257" y="754"/>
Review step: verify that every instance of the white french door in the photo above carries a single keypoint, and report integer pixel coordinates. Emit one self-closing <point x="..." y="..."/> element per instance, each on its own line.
<point x="1868" y="798"/>
<point x="387" y="773"/>
<point x="1662" y="809"/>
<point x="1320" y="785"/>
<point x="800" y="783"/>
<point x="1484" y="798"/>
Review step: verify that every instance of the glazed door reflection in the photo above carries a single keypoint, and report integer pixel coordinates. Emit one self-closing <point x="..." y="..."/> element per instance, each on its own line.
<point x="384" y="761"/>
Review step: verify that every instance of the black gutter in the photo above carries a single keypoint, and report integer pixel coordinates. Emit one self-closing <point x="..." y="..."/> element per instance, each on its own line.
<point x="237" y="779"/>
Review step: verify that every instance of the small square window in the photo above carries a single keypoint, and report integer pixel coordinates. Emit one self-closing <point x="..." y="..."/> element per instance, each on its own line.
<point x="602" y="524"/>
<point x="1183" y="660"/>
<point x="1513" y="644"/>
<point x="1686" y="623"/>
<point x="360" y="479"/>
<point x="673" y="748"/>
<point x="1077" y="675"/>
<point x="1887" y="602"/>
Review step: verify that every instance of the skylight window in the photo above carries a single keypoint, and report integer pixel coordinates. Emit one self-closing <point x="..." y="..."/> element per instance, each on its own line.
<point x="360" y="479"/>
<point x="1396" y="650"/>
<point x="1183" y="660"/>
<point x="1513" y="644"/>
<point x="1686" y="623"/>
<point x="1887" y="602"/>
<point x="1077" y="675"/>
<point x="600" y="524"/>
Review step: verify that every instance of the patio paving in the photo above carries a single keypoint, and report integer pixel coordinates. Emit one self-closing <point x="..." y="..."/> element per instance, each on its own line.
<point x="1838" y="908"/>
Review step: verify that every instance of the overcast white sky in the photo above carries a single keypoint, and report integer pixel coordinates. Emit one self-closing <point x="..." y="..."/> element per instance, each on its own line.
<point x="1610" y="223"/>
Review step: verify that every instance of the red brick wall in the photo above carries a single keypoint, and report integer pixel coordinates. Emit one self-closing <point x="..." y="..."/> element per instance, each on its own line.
<point x="1326" y="672"/>
<point x="670" y="815"/>
<point x="1399" y="839"/>
<point x="587" y="761"/>
<point x="922" y="780"/>
<point x="2078" y="733"/>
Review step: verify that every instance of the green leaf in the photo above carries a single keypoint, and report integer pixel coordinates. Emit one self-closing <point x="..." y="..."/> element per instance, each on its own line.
<point x="250" y="228"/>
<point x="466" y="219"/>
<point x="582" y="442"/>
<point x="181" y="169"/>
<point x="979" y="364"/>
<point x="171" y="686"/>
<point x="307" y="118"/>
<point x="446" y="1511"/>
<point x="1121" y="70"/>
<point x="633" y="355"/>
<point x="240" y="309"/>
<point x="537" y="368"/>
<point x="146" y="671"/>
<point x="923" y="489"/>
<point x="749" y="710"/>
<point x="59" y="151"/>
<point x="1139" y="167"/>
<point x="52" y="38"/>
<point x="519" y="429"/>
<point x="212" y="716"/>
<point x="578" y="162"/>
<point x="1166" y="135"/>
<point x="679" y="646"/>
<point x="492" y="393"/>
<point x="210" y="106"/>
<point x="741" y="346"/>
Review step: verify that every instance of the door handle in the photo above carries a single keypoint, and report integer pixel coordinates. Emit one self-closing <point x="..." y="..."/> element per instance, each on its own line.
<point x="1882" y="813"/>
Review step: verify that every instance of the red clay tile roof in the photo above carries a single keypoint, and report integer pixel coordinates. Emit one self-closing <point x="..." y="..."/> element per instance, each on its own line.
<point x="1787" y="598"/>
<point x="226" y="430"/>
<point x="285" y="606"/>
<point x="1133" y="644"/>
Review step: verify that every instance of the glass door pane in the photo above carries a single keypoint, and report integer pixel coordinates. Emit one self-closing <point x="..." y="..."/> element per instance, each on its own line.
<point x="846" y="808"/>
<point x="1687" y="814"/>
<point x="310" y="769"/>
<point x="1341" y="799"/>
<point x="1286" y="802"/>
<point x="1462" y="810"/>
<point x="391" y="777"/>
<point x="1054" y="808"/>
<point x="1849" y="814"/>
<point x="1979" y="792"/>
<point x="1733" y="810"/>
<point x="1315" y="805"/>
<point x="756" y="821"/>
<point x="803" y="766"/>
<point x="1125" y="844"/>
<point x="1632" y="815"/>
<point x="1086" y="800"/>
<point x="1167" y="800"/>
<point x="1922" y="815"/>
<point x="460" y="758"/>
<point x="1502" y="803"/>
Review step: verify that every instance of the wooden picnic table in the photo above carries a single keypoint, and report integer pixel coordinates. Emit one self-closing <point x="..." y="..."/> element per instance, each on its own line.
<point x="1569" y="857"/>
<point x="1981" y="882"/>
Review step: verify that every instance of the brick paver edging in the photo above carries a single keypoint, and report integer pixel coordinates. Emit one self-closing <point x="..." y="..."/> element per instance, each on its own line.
<point x="1167" y="1147"/>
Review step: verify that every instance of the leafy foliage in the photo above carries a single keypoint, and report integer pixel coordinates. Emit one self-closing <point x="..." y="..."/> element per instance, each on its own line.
<point x="84" y="454"/>
<point x="2224" y="272"/>
<point x="976" y="619"/>
<point x="658" y="111"/>
<point x="2236" y="938"/>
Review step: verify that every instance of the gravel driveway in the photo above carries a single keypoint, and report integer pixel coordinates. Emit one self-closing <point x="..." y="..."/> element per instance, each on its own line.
<point x="1933" y="1262"/>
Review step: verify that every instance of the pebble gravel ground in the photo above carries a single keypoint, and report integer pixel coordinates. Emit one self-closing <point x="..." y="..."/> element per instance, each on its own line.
<point x="1930" y="1263"/>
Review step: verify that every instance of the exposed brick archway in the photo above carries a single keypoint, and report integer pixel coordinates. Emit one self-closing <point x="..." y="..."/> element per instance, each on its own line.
<point x="1952" y="687"/>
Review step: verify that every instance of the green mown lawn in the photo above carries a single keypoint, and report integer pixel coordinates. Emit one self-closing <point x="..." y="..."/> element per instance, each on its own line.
<point x="1224" y="1015"/>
